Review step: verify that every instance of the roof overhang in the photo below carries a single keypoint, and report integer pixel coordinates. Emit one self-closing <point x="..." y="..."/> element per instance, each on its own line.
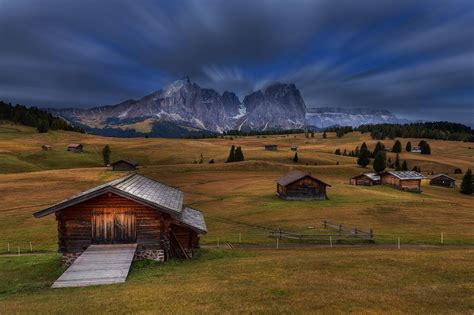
<point x="107" y="189"/>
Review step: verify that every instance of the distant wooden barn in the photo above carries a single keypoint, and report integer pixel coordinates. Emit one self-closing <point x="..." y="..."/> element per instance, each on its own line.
<point x="75" y="147"/>
<point x="124" y="165"/>
<point x="443" y="180"/>
<point x="271" y="147"/>
<point x="131" y="209"/>
<point x="297" y="185"/>
<point x="365" y="179"/>
<point x="46" y="147"/>
<point x="403" y="180"/>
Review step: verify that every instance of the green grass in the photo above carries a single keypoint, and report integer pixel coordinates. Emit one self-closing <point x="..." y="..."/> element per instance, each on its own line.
<point x="286" y="281"/>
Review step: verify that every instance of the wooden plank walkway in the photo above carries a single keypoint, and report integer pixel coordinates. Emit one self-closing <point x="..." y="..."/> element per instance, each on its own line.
<point x="99" y="264"/>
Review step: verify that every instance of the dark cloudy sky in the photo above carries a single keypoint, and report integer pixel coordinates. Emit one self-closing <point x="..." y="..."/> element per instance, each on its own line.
<point x="415" y="58"/>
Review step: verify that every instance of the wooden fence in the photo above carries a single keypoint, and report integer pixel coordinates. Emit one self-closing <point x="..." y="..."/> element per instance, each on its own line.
<point x="338" y="232"/>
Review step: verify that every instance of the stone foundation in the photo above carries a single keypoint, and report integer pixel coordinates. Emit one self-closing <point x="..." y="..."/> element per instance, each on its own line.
<point x="150" y="254"/>
<point x="69" y="258"/>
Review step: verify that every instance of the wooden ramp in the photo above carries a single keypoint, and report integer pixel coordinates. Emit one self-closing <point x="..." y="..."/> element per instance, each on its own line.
<point x="99" y="264"/>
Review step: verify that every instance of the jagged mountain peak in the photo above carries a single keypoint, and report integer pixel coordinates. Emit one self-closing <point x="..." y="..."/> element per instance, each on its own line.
<point x="191" y="108"/>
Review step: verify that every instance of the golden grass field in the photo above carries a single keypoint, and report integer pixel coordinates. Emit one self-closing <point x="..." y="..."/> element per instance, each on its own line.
<point x="235" y="198"/>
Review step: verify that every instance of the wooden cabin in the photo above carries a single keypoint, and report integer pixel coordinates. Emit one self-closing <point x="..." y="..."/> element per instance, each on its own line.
<point x="271" y="147"/>
<point x="297" y="185"/>
<point x="294" y="148"/>
<point x="365" y="179"/>
<point x="443" y="180"/>
<point x="131" y="209"/>
<point x="403" y="180"/>
<point x="415" y="149"/>
<point x="75" y="147"/>
<point x="46" y="147"/>
<point x="124" y="165"/>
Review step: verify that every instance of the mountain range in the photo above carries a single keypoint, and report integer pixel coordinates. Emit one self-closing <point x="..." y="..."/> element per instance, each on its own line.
<point x="184" y="108"/>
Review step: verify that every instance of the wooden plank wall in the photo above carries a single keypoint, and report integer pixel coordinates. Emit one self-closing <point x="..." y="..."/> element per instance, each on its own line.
<point x="75" y="224"/>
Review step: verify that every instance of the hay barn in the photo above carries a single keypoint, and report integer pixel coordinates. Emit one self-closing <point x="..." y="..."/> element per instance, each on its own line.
<point x="297" y="185"/>
<point x="271" y="147"/>
<point x="365" y="179"/>
<point x="403" y="180"/>
<point x="132" y="209"/>
<point x="46" y="147"/>
<point x="75" y="147"/>
<point x="124" y="165"/>
<point x="443" y="180"/>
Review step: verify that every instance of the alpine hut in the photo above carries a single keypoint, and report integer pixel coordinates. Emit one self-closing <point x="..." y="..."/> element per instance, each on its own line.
<point x="75" y="147"/>
<point x="443" y="180"/>
<point x="403" y="180"/>
<point x="46" y="147"/>
<point x="124" y="165"/>
<point x="271" y="147"/>
<point x="297" y="185"/>
<point x="132" y="209"/>
<point x="365" y="179"/>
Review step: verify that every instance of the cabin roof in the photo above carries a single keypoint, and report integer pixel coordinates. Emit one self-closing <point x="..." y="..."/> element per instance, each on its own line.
<point x="194" y="219"/>
<point x="293" y="176"/>
<point x="74" y="145"/>
<point x="131" y="162"/>
<point x="443" y="175"/>
<point x="143" y="190"/>
<point x="371" y="176"/>
<point x="405" y="174"/>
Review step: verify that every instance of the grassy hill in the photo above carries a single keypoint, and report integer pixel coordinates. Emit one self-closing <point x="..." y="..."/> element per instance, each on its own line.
<point x="238" y="200"/>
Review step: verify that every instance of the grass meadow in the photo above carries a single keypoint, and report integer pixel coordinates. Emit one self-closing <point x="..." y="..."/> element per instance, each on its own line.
<point x="239" y="203"/>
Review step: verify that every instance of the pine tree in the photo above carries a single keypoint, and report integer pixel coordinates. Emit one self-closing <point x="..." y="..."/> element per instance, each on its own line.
<point x="201" y="159"/>
<point x="239" y="155"/>
<point x="408" y="147"/>
<point x="106" y="155"/>
<point x="338" y="152"/>
<point x="364" y="155"/>
<point x="295" y="158"/>
<point x="380" y="162"/>
<point x="312" y="133"/>
<point x="397" y="147"/>
<point x="378" y="147"/>
<point x="426" y="149"/>
<point x="404" y="166"/>
<point x="397" y="164"/>
<point x="345" y="152"/>
<point x="231" y="157"/>
<point x="467" y="185"/>
<point x="324" y="135"/>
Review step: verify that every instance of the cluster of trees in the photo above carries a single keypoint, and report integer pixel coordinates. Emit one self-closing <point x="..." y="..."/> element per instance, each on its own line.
<point x="309" y="133"/>
<point x="235" y="154"/>
<point x="379" y="156"/>
<point x="34" y="117"/>
<point x="429" y="130"/>
<point x="424" y="147"/>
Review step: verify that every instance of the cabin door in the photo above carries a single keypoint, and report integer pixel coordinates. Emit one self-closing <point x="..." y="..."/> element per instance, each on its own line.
<point x="112" y="226"/>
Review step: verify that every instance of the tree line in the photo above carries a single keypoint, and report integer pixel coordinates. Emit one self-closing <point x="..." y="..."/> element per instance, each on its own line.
<point x="440" y="130"/>
<point x="35" y="117"/>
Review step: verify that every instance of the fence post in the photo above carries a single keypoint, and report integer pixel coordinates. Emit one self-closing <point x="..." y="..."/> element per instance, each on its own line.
<point x="442" y="237"/>
<point x="277" y="242"/>
<point x="8" y="246"/>
<point x="398" y="242"/>
<point x="330" y="240"/>
<point x="31" y="247"/>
